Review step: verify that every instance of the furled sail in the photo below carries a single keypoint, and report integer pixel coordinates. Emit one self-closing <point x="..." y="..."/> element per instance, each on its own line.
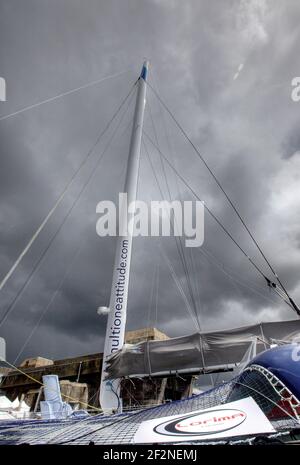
<point x="200" y="352"/>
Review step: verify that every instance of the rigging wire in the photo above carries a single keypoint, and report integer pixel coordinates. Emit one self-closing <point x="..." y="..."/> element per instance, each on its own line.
<point x="46" y="308"/>
<point x="64" y="192"/>
<point x="151" y="300"/>
<point x="196" y="282"/>
<point x="225" y="271"/>
<point x="167" y="137"/>
<point x="182" y="249"/>
<point x="63" y="94"/>
<point x="265" y="397"/>
<point x="38" y="262"/>
<point x="54" y="295"/>
<point x="213" y="215"/>
<point x="179" y="246"/>
<point x="293" y="304"/>
<point x="178" y="241"/>
<point x="231" y="275"/>
<point x="156" y="297"/>
<point x="136" y="414"/>
<point x="42" y="384"/>
<point x="181" y="291"/>
<point x="175" y="277"/>
<point x="232" y="281"/>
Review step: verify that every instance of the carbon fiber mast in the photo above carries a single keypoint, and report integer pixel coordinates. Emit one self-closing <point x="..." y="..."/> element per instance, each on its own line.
<point x="115" y="331"/>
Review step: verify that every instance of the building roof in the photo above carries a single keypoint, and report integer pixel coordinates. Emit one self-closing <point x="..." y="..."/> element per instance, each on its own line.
<point x="145" y="334"/>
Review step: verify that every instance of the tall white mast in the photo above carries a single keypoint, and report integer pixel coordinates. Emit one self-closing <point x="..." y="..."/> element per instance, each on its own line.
<point x="115" y="331"/>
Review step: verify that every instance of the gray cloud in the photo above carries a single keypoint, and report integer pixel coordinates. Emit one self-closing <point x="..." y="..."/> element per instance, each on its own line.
<point x="247" y="128"/>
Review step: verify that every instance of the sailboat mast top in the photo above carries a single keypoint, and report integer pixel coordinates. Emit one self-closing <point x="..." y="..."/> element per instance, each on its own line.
<point x="136" y="135"/>
<point x="116" y="322"/>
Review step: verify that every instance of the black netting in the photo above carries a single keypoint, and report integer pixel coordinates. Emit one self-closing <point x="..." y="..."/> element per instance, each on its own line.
<point x="120" y="429"/>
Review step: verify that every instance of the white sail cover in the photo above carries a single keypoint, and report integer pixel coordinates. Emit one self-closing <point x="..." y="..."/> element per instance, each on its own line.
<point x="199" y="352"/>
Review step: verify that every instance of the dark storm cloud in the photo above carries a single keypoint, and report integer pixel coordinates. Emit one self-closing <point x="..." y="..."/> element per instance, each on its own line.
<point x="241" y="117"/>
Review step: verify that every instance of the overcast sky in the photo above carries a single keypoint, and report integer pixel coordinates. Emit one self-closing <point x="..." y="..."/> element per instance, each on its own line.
<point x="224" y="68"/>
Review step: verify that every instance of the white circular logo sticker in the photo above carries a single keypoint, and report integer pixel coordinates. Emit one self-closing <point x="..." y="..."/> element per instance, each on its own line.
<point x="201" y="424"/>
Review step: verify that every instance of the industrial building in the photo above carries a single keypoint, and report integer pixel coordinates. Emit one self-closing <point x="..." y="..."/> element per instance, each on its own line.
<point x="79" y="379"/>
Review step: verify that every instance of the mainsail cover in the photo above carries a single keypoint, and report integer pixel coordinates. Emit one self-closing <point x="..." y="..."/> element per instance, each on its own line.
<point x="200" y="352"/>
